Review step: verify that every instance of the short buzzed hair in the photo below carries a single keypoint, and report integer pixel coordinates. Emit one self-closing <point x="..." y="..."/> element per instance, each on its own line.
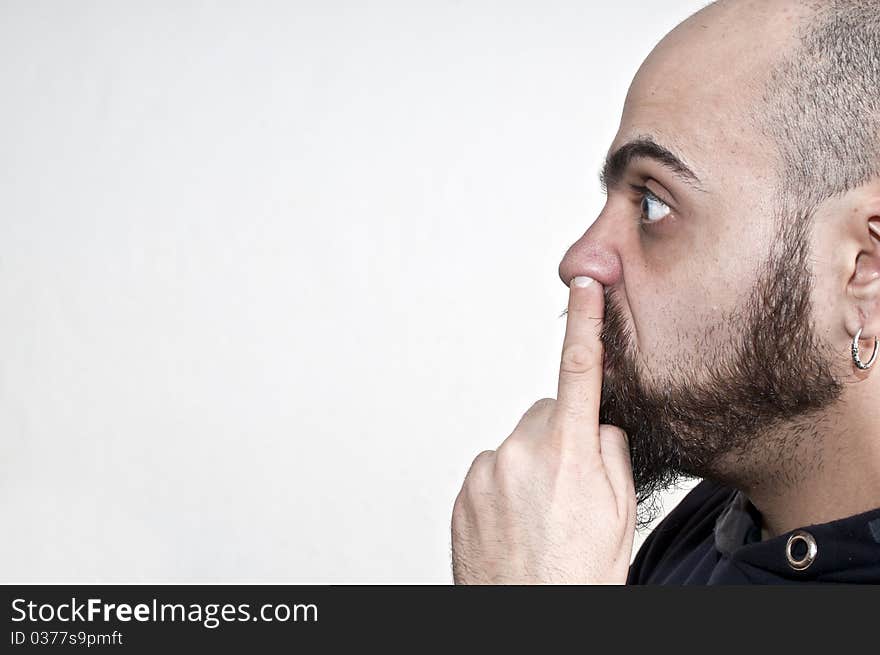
<point x="822" y="103"/>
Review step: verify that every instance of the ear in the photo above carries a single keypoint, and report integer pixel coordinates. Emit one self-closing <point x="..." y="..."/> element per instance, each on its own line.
<point x="864" y="285"/>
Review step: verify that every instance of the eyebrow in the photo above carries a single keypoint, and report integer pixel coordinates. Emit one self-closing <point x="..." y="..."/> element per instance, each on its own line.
<point x="645" y="148"/>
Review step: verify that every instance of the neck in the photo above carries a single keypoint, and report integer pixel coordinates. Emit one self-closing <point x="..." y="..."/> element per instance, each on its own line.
<point x="826" y="468"/>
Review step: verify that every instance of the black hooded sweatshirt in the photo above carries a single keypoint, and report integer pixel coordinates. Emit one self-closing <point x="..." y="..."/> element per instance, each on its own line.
<point x="713" y="537"/>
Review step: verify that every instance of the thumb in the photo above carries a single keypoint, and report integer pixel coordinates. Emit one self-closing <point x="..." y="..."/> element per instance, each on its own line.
<point x="614" y="447"/>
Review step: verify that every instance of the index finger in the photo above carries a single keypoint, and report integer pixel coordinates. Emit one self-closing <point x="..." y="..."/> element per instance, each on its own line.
<point x="581" y="366"/>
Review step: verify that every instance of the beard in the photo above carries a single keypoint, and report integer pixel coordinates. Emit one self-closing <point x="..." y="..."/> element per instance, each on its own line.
<point x="773" y="371"/>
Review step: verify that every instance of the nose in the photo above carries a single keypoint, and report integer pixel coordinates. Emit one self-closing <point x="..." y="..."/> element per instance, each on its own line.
<point x="597" y="254"/>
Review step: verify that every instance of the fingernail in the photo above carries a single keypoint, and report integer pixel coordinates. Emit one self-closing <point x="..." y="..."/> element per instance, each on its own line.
<point x="582" y="281"/>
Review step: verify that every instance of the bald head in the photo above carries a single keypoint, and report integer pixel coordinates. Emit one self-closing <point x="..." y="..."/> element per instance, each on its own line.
<point x="802" y="76"/>
<point x="822" y="102"/>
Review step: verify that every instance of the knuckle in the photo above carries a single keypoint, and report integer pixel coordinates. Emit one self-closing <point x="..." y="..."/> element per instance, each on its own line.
<point x="542" y="407"/>
<point x="479" y="472"/>
<point x="614" y="436"/>
<point x="511" y="454"/>
<point x="577" y="358"/>
<point x="542" y="404"/>
<point x="513" y="459"/>
<point x="612" y="431"/>
<point x="480" y="459"/>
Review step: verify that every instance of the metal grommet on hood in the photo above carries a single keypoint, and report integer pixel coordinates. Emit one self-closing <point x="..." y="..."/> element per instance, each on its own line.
<point x="797" y="538"/>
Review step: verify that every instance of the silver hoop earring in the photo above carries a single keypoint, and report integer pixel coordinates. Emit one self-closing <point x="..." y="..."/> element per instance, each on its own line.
<point x="855" y="352"/>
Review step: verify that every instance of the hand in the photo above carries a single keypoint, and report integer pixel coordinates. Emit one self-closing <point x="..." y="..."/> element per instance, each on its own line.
<point x="556" y="502"/>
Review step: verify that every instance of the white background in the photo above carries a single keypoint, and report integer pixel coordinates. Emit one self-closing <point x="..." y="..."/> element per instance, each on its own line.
<point x="272" y="274"/>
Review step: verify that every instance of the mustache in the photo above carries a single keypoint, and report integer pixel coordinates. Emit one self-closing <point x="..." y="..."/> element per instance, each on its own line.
<point x="615" y="331"/>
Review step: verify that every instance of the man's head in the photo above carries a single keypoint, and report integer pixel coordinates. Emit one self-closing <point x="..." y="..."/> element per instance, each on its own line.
<point x="734" y="246"/>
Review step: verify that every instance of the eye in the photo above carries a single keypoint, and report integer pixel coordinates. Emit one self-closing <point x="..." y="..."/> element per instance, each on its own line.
<point x="653" y="209"/>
